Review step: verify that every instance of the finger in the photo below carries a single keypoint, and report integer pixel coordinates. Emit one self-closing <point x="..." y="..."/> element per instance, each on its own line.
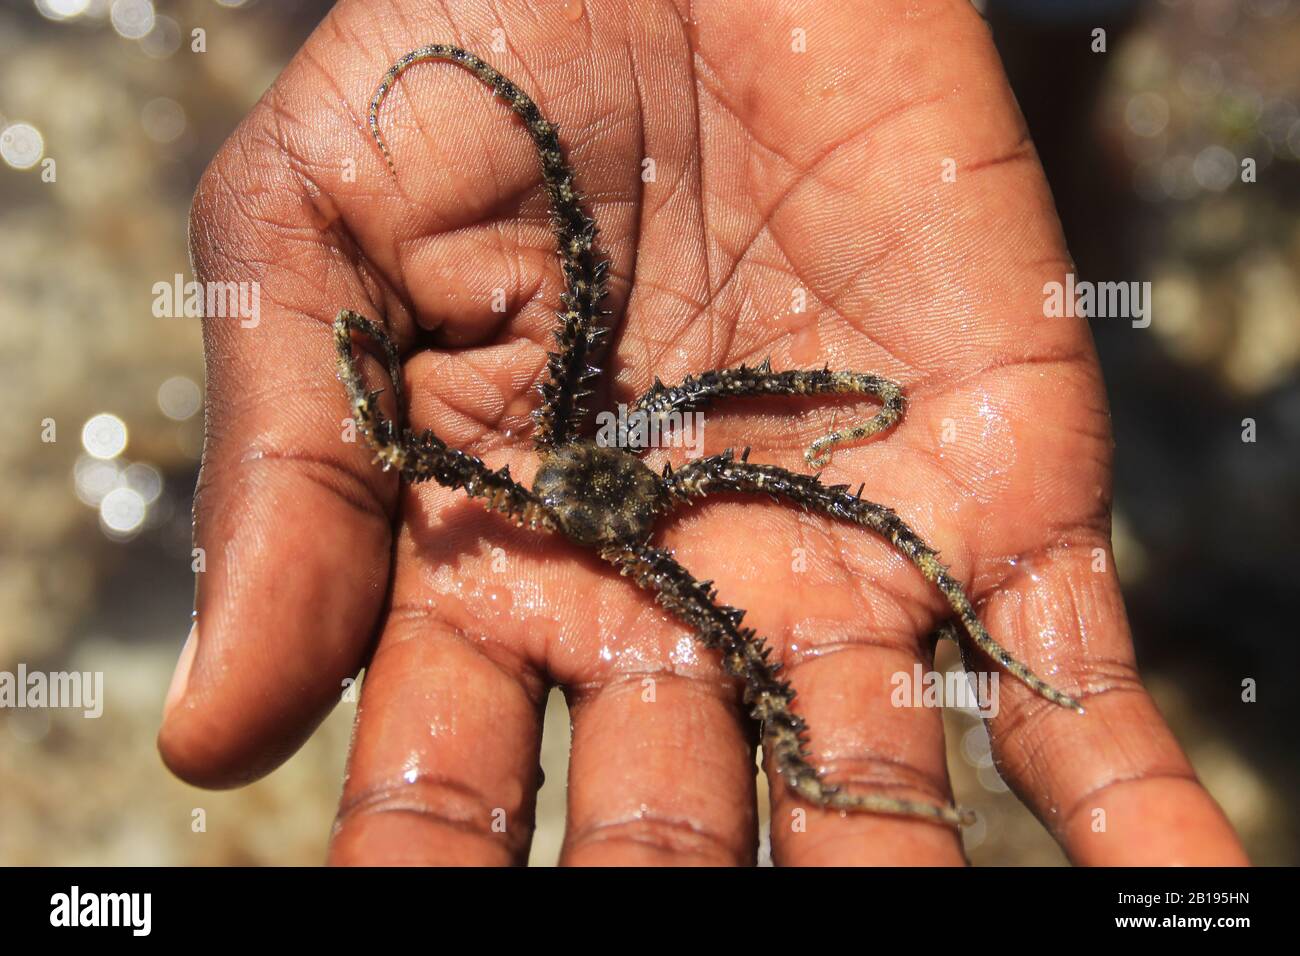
<point x="661" y="772"/>
<point x="1112" y="785"/>
<point x="291" y="519"/>
<point x="662" y="768"/>
<point x="847" y="676"/>
<point x="841" y="636"/>
<point x="444" y="767"/>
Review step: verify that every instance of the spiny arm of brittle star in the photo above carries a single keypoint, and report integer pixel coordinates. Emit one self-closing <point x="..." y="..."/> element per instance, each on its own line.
<point x="745" y="655"/>
<point x="724" y="473"/>
<point x="699" y="390"/>
<point x="578" y="338"/>
<point x="424" y="456"/>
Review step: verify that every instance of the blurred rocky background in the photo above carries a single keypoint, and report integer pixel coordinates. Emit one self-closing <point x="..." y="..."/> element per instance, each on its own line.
<point x="1143" y="146"/>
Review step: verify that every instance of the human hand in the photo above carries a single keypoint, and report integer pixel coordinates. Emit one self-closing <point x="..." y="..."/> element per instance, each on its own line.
<point x="775" y="171"/>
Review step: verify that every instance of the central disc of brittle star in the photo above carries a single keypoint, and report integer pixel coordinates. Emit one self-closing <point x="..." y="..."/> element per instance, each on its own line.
<point x="600" y="495"/>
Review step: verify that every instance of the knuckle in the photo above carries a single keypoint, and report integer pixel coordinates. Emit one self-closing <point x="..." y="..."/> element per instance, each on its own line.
<point x="677" y="838"/>
<point x="445" y="810"/>
<point x="869" y="770"/>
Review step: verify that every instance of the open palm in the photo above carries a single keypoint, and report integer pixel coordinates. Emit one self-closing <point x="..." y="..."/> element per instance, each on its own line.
<point x="816" y="185"/>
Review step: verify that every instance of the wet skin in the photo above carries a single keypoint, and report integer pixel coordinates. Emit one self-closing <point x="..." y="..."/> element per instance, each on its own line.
<point x="324" y="563"/>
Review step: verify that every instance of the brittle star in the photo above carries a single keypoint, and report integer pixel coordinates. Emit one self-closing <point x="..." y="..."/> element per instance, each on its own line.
<point x="604" y="497"/>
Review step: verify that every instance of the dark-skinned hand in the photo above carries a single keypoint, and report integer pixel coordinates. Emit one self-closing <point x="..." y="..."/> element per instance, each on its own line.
<point x="774" y="171"/>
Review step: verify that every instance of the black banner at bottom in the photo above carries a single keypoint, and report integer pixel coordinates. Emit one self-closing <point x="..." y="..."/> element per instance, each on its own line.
<point x="215" y="906"/>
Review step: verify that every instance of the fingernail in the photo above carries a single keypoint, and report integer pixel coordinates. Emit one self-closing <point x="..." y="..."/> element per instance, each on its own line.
<point x="181" y="678"/>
